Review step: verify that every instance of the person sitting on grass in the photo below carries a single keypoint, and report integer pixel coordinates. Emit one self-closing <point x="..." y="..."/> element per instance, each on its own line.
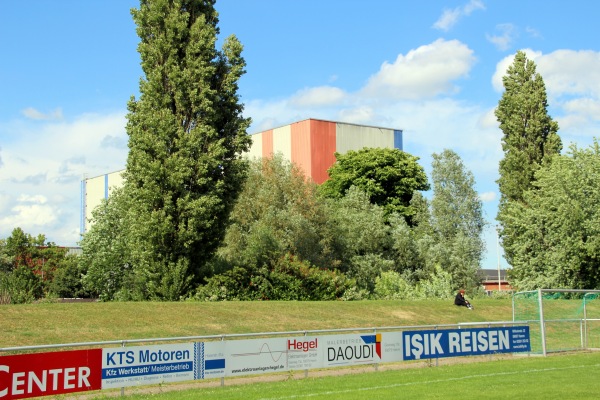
<point x="460" y="300"/>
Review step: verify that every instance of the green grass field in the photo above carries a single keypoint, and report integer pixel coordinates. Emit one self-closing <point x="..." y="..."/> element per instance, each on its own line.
<point x="52" y="323"/>
<point x="562" y="376"/>
<point x="565" y="376"/>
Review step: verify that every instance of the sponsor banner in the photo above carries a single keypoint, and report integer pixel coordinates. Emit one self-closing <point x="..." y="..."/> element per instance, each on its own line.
<point x="47" y="374"/>
<point x="391" y="347"/>
<point x="255" y="356"/>
<point x="210" y="360"/>
<point x="146" y="365"/>
<point x="352" y="349"/>
<point x="464" y="342"/>
<point x="304" y="352"/>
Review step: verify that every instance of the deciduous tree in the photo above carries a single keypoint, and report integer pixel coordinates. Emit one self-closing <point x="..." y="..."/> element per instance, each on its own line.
<point x="279" y="213"/>
<point x="388" y="176"/>
<point x="558" y="225"/>
<point x="457" y="219"/>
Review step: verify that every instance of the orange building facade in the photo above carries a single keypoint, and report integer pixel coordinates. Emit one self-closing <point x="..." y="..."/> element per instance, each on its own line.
<point x="311" y="144"/>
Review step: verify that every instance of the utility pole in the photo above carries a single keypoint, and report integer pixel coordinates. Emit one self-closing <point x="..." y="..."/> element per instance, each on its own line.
<point x="498" y="251"/>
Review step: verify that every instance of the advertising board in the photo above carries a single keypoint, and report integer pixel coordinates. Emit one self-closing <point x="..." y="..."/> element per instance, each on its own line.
<point x="44" y="374"/>
<point x="55" y="373"/>
<point x="465" y="342"/>
<point x="356" y="349"/>
<point x="255" y="356"/>
<point x="146" y="365"/>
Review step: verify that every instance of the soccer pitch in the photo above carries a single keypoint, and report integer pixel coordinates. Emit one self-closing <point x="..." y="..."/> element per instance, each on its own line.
<point x="563" y="376"/>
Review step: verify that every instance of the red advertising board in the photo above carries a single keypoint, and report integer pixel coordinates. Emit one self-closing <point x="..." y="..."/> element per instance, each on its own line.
<point x="45" y="374"/>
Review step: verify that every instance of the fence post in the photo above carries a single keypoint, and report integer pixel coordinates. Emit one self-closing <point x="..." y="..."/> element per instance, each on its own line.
<point x="585" y="326"/>
<point x="122" y="387"/>
<point x="375" y="333"/>
<point x="306" y="370"/>
<point x="223" y="377"/>
<point x="581" y="333"/>
<point x="542" y="322"/>
<point x="489" y="327"/>
<point x="437" y="358"/>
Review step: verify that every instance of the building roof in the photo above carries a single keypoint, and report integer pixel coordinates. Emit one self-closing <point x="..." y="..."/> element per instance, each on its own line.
<point x="327" y="120"/>
<point x="491" y="274"/>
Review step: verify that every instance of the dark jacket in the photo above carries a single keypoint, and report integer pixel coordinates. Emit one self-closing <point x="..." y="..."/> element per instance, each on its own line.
<point x="460" y="300"/>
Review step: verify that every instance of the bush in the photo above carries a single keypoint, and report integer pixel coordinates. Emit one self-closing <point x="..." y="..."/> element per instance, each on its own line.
<point x="289" y="279"/>
<point x="438" y="286"/>
<point x="20" y="286"/>
<point x="67" y="280"/>
<point x="392" y="286"/>
<point x="364" y="268"/>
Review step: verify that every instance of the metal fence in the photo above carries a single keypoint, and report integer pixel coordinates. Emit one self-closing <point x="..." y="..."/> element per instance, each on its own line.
<point x="558" y="324"/>
<point x="423" y="339"/>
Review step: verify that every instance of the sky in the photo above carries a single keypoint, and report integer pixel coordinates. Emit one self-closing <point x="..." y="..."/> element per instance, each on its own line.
<point x="432" y="69"/>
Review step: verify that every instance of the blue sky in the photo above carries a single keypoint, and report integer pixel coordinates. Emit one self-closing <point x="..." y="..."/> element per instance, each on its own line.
<point x="432" y="69"/>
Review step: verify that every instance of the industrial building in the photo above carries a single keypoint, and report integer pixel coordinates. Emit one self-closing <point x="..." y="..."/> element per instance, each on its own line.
<point x="93" y="191"/>
<point x="311" y="144"/>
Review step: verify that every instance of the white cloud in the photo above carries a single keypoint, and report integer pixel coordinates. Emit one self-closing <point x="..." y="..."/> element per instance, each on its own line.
<point x="584" y="106"/>
<point x="488" y="119"/>
<point x="533" y="32"/>
<point x="32" y="113"/>
<point x="271" y="114"/>
<point x="117" y="142"/>
<point x="407" y="95"/>
<point x="508" y="33"/>
<point x="31" y="213"/>
<point x="317" y="97"/>
<point x="36" y="199"/>
<point x="572" y="80"/>
<point x="449" y="18"/>
<point x="487" y="196"/>
<point x="570" y="72"/>
<point x="565" y="72"/>
<point x="425" y="72"/>
<point x="44" y="162"/>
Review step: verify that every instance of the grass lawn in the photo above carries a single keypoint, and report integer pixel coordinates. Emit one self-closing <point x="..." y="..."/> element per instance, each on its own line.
<point x="53" y="323"/>
<point x="556" y="376"/>
<point x="572" y="376"/>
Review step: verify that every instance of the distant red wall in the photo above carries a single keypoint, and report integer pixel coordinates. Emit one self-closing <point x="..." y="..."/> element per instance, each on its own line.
<point x="300" y="139"/>
<point x="494" y="286"/>
<point x="323" y="147"/>
<point x="267" y="143"/>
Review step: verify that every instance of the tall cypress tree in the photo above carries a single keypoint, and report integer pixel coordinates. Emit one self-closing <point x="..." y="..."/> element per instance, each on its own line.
<point x="529" y="140"/>
<point x="186" y="136"/>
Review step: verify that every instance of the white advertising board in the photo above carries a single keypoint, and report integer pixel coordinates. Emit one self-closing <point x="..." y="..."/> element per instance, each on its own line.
<point x="357" y="349"/>
<point x="255" y="356"/>
<point x="146" y="365"/>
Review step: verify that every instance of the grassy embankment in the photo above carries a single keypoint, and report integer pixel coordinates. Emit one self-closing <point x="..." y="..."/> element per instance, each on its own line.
<point x="564" y="376"/>
<point x="52" y="323"/>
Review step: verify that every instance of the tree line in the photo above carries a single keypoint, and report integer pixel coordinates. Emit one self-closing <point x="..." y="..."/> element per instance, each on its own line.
<point x="289" y="239"/>
<point x="196" y="220"/>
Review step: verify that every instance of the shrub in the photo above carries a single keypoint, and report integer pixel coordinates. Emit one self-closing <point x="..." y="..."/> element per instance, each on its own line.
<point x="392" y="286"/>
<point x="67" y="279"/>
<point x="365" y="268"/>
<point x="437" y="286"/>
<point x="289" y="279"/>
<point x="20" y="286"/>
